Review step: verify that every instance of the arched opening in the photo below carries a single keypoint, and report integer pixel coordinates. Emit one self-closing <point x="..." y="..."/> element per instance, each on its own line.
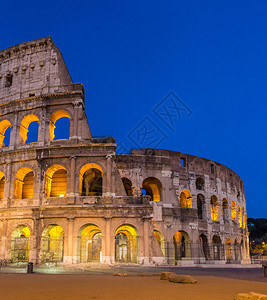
<point x="4" y="133"/>
<point x="2" y="185"/>
<point x="185" y="199"/>
<point x="160" y="240"/>
<point x="126" y="244"/>
<point x="182" y="246"/>
<point x="127" y="186"/>
<point x="217" y="245"/>
<point x="152" y="187"/>
<point x="56" y="181"/>
<point x="24" y="129"/>
<point x="90" y="244"/>
<point x="225" y="209"/>
<point x="24" y="183"/>
<point x="204" y="246"/>
<point x="233" y="210"/>
<point x="214" y="208"/>
<point x="63" y="126"/>
<point x="33" y="132"/>
<point x="229" y="255"/>
<point x="200" y="206"/>
<point x="91" y="180"/>
<point x="20" y="244"/>
<point x="200" y="183"/>
<point x="239" y="216"/>
<point x="52" y="244"/>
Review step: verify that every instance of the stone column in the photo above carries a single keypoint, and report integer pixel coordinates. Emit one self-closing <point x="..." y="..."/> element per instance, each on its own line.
<point x="42" y="130"/>
<point x="68" y="258"/>
<point x="3" y="239"/>
<point x="146" y="241"/>
<point x="13" y="135"/>
<point x="108" y="178"/>
<point x="107" y="254"/>
<point x="35" y="243"/>
<point x="72" y="177"/>
<point x="8" y="185"/>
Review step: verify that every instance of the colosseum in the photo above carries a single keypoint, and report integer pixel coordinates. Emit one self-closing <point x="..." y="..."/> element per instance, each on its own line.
<point x="75" y="201"/>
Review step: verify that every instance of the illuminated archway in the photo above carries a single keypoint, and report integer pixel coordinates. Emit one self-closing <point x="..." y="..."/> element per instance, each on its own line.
<point x="200" y="206"/>
<point x="217" y="247"/>
<point x="237" y="250"/>
<point x="152" y="187"/>
<point x="204" y="246"/>
<point x="52" y="244"/>
<point x="52" y="124"/>
<point x="90" y="238"/>
<point x="20" y="244"/>
<point x="90" y="180"/>
<point x="214" y="208"/>
<point x="182" y="246"/>
<point x="185" y="199"/>
<point x="239" y="216"/>
<point x="160" y="240"/>
<point x="127" y="186"/>
<point x="24" y="126"/>
<point x="24" y="183"/>
<point x="126" y="244"/>
<point x="244" y="217"/>
<point x="225" y="209"/>
<point x="4" y="125"/>
<point x="233" y="210"/>
<point x="56" y="181"/>
<point x="2" y="185"/>
<point x="229" y="255"/>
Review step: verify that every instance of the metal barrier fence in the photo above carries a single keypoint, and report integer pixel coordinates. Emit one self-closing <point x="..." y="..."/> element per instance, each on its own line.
<point x="175" y="252"/>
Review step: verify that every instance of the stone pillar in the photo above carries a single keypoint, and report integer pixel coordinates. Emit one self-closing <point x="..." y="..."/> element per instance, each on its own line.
<point x="42" y="130"/>
<point x="13" y="135"/>
<point x="40" y="183"/>
<point x="8" y="185"/>
<point x="35" y="243"/>
<point x="3" y="239"/>
<point x="108" y="178"/>
<point x="146" y="241"/>
<point x="107" y="254"/>
<point x="68" y="257"/>
<point x="72" y="177"/>
<point x="75" y="121"/>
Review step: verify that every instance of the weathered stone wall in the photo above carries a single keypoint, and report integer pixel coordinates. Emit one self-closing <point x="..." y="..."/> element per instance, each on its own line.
<point x="164" y="226"/>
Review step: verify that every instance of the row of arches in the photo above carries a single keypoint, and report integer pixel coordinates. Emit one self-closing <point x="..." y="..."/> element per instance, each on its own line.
<point x="89" y="244"/>
<point x="235" y="211"/>
<point x="55" y="183"/>
<point x="59" y="128"/>
<point x="182" y="248"/>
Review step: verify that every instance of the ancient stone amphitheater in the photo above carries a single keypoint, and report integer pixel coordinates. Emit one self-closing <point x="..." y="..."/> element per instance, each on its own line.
<point x="75" y="201"/>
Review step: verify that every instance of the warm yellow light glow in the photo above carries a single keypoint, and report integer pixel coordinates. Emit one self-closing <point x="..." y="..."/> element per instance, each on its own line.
<point x="239" y="216"/>
<point x="233" y="210"/>
<point x="153" y="188"/>
<point x="56" y="116"/>
<point x="24" y="125"/>
<point x="56" y="181"/>
<point x="160" y="240"/>
<point x="185" y="199"/>
<point x="3" y="127"/>
<point x="24" y="183"/>
<point x="214" y="208"/>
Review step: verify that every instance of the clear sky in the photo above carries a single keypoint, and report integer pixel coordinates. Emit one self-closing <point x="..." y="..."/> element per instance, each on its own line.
<point x="131" y="54"/>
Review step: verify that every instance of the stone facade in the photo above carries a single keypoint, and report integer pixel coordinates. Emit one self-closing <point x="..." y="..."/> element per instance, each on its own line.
<point x="76" y="201"/>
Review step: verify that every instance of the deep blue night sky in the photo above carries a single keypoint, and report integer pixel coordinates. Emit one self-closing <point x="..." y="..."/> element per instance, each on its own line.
<point x="130" y="54"/>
